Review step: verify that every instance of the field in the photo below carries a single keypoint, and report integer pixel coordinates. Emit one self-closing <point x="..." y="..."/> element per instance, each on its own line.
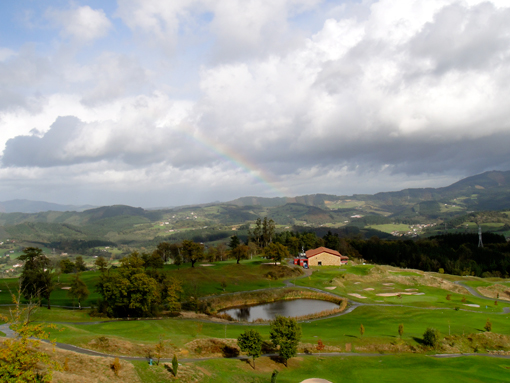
<point x="385" y="297"/>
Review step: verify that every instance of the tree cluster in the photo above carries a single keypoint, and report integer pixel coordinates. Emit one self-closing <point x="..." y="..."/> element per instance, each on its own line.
<point x="38" y="279"/>
<point x="67" y="266"/>
<point x="138" y="289"/>
<point x="454" y="253"/>
<point x="285" y="334"/>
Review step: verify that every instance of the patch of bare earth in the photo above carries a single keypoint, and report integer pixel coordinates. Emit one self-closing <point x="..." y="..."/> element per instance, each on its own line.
<point x="494" y="290"/>
<point x="213" y="347"/>
<point x="397" y="347"/>
<point x="113" y="346"/>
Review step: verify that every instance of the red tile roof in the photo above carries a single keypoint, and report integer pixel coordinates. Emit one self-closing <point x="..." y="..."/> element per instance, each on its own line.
<point x="313" y="252"/>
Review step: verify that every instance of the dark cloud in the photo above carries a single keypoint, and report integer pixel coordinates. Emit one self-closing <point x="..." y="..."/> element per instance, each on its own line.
<point x="42" y="151"/>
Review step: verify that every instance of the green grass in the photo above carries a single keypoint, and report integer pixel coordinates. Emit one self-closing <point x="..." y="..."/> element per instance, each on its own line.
<point x="402" y="368"/>
<point x="390" y="228"/>
<point x="248" y="275"/>
<point x="380" y="322"/>
<point x="433" y="297"/>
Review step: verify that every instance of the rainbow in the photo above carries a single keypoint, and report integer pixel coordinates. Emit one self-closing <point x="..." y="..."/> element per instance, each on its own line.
<point x="238" y="161"/>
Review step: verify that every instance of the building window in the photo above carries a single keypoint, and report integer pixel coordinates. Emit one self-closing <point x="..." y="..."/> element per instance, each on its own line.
<point x="320" y="263"/>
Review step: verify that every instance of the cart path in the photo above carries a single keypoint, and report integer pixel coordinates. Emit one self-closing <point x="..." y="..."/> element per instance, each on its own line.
<point x="63" y="346"/>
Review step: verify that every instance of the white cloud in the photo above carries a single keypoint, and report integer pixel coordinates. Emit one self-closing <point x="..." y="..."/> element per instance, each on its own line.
<point x="384" y="90"/>
<point x="81" y="24"/>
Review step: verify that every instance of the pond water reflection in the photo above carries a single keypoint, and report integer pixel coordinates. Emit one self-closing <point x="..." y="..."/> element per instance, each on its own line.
<point x="269" y="311"/>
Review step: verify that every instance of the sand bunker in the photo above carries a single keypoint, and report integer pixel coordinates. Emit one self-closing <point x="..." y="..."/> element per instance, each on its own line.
<point x="315" y="380"/>
<point x="369" y="289"/>
<point x="357" y="296"/>
<point x="471" y="305"/>
<point x="394" y="294"/>
<point x="330" y="288"/>
<point x="357" y="283"/>
<point x="411" y="289"/>
<point x="419" y="294"/>
<point x="66" y="288"/>
<point x="206" y="264"/>
<point x="388" y="284"/>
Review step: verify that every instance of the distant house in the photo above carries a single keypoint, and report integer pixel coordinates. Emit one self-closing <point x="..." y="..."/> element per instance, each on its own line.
<point x="323" y="256"/>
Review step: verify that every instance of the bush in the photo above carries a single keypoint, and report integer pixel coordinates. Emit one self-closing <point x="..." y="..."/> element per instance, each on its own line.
<point x="116" y="366"/>
<point x="431" y="337"/>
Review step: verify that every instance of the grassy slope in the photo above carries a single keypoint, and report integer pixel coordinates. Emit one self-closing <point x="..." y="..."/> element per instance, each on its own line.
<point x="402" y="368"/>
<point x="381" y="325"/>
<point x="380" y="322"/>
<point x="433" y="296"/>
<point x="248" y="275"/>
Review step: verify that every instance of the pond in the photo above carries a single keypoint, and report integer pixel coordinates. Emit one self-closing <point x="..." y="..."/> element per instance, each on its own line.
<point x="289" y="308"/>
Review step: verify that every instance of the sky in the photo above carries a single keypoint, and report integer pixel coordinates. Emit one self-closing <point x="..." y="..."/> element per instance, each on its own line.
<point x="163" y="103"/>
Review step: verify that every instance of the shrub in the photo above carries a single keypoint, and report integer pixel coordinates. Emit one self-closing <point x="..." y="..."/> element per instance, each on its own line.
<point x="116" y="366"/>
<point x="175" y="365"/>
<point x="431" y="337"/>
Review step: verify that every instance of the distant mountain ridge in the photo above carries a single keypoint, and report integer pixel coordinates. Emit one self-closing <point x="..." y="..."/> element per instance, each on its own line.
<point x="27" y="206"/>
<point x="492" y="188"/>
<point x="487" y="185"/>
<point x="484" y="194"/>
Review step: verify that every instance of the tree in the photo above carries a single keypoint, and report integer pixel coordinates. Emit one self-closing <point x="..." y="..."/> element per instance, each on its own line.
<point x="101" y="264"/>
<point x="159" y="349"/>
<point x="222" y="251"/>
<point x="175" y="365"/>
<point x="129" y="291"/>
<point x="66" y="266"/>
<point x="240" y="252"/>
<point x="285" y="332"/>
<point x="431" y="337"/>
<point x="192" y="251"/>
<point x="268" y="229"/>
<point x="488" y="325"/>
<point x="250" y="342"/>
<point x="164" y="250"/>
<point x="320" y="346"/>
<point x="37" y="276"/>
<point x="154" y="260"/>
<point x="255" y="235"/>
<point x="277" y="252"/>
<point x="361" y="330"/>
<point x="78" y="290"/>
<point x="20" y="358"/>
<point x="401" y="330"/>
<point x="79" y="264"/>
<point x="172" y="292"/>
<point x="234" y="242"/>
